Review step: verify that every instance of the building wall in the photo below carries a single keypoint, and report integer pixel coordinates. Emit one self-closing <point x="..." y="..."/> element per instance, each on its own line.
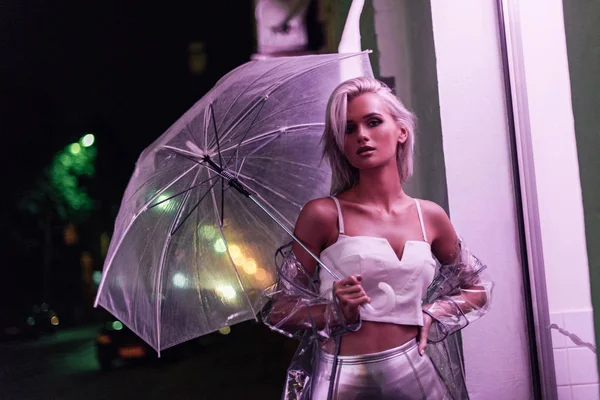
<point x="581" y="22"/>
<point x="480" y="189"/>
<point x="559" y="196"/>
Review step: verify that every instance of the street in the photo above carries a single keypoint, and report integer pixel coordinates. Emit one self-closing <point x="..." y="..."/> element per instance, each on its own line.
<point x="249" y="363"/>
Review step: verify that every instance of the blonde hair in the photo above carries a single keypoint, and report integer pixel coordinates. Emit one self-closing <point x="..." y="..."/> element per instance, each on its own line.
<point x="344" y="175"/>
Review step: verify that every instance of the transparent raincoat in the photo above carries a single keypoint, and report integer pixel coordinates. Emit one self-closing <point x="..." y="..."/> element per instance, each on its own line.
<point x="459" y="294"/>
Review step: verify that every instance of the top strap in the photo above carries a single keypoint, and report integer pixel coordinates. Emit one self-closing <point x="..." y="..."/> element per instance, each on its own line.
<point x="421" y="219"/>
<point x="340" y="218"/>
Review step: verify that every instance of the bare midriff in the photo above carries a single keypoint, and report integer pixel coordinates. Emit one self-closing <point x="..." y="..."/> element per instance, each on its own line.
<point x="374" y="337"/>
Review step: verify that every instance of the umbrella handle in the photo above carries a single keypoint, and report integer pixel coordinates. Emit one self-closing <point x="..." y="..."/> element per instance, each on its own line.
<point x="389" y="304"/>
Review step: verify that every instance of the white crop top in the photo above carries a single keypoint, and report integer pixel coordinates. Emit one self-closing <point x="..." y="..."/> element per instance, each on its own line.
<point x="375" y="259"/>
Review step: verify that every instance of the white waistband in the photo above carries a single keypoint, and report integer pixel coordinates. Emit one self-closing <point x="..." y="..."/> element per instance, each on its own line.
<point x="371" y="357"/>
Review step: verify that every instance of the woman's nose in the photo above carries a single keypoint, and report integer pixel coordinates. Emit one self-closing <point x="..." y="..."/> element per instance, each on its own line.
<point x="362" y="134"/>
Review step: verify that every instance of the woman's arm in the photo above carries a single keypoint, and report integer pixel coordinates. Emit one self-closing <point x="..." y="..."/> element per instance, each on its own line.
<point x="458" y="294"/>
<point x="450" y="251"/>
<point x="292" y="306"/>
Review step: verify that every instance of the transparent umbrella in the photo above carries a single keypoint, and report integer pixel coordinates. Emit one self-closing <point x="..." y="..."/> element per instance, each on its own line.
<point x="212" y="199"/>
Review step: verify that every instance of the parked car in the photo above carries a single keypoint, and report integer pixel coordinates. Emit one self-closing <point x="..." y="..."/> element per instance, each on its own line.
<point x="117" y="343"/>
<point x="31" y="323"/>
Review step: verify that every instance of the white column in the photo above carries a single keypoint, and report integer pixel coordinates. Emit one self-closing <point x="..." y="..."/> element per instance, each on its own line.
<point x="559" y="193"/>
<point x="480" y="189"/>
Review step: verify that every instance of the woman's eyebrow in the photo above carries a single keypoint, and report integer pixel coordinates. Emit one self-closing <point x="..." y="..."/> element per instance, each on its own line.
<point x="369" y="115"/>
<point x="373" y="114"/>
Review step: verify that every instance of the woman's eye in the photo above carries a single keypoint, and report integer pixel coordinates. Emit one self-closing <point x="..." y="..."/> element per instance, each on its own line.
<point x="374" y="122"/>
<point x="349" y="128"/>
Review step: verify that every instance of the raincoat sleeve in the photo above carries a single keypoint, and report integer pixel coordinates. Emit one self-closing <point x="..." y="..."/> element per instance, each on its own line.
<point x="459" y="294"/>
<point x="294" y="304"/>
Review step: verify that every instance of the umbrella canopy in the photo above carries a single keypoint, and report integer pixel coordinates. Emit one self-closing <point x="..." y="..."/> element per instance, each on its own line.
<point x="191" y="253"/>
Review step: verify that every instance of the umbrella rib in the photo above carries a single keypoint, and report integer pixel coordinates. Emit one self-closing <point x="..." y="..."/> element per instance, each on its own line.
<point x="274" y="132"/>
<point x="238" y="120"/>
<point x="161" y="266"/>
<point x="146" y="181"/>
<point x="180" y="193"/>
<point x="275" y="193"/>
<point x="212" y="194"/>
<point x="295" y="163"/>
<point x="253" y="82"/>
<point x="246" y="114"/>
<point x="167" y="186"/>
<point x="237" y="274"/>
<point x="288" y="108"/>
<point x="182" y="152"/>
<point x="277" y="85"/>
<point x="194" y="208"/>
<point x="290" y="224"/>
<point x="212" y="113"/>
<point x="247" y="130"/>
<point x="258" y="148"/>
<point x="223" y="199"/>
<point x="252" y="153"/>
<point x="237" y="174"/>
<point x="108" y="263"/>
<point x="284" y="79"/>
<point x="289" y="76"/>
<point x="206" y="115"/>
<point x="248" y="178"/>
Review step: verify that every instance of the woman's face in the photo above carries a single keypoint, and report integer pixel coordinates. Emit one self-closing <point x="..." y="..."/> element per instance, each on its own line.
<point x="372" y="135"/>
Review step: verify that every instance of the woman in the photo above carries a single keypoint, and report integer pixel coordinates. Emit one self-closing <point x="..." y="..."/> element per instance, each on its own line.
<point x="369" y="331"/>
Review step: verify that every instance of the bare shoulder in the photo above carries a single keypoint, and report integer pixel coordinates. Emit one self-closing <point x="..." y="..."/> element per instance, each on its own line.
<point x="317" y="222"/>
<point x="433" y="212"/>
<point x="320" y="211"/>
<point x="443" y="237"/>
<point x="315" y="228"/>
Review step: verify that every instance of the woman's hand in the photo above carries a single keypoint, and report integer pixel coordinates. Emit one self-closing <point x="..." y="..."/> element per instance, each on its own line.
<point x="424" y="332"/>
<point x="350" y="296"/>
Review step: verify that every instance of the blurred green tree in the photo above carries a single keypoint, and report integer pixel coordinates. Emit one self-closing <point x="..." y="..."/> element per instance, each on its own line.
<point x="60" y="195"/>
<point x="59" y="189"/>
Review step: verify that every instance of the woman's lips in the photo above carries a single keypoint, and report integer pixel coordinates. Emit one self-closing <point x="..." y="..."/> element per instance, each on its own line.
<point x="365" y="150"/>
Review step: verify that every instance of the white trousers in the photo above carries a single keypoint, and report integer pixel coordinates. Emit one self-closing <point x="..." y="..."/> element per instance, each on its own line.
<point x="399" y="373"/>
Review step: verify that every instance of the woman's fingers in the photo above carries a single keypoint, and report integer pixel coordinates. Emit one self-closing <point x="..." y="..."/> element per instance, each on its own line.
<point x="349" y="280"/>
<point x="355" y="302"/>
<point x="361" y="300"/>
<point x="424" y="333"/>
<point x="347" y="290"/>
<point x="356" y="295"/>
<point x="422" y="342"/>
<point x="354" y="298"/>
<point x="350" y="295"/>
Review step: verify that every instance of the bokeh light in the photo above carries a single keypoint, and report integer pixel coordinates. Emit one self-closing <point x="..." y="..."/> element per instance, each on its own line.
<point x="234" y="251"/>
<point x="261" y="274"/>
<point x="75" y="148"/>
<point x="180" y="280"/>
<point x="239" y="260"/>
<point x="88" y="140"/>
<point x="220" y="246"/>
<point x="225" y="330"/>
<point x="163" y="203"/>
<point x="227" y="292"/>
<point x="207" y="231"/>
<point x="250" y="266"/>
<point x="97" y="277"/>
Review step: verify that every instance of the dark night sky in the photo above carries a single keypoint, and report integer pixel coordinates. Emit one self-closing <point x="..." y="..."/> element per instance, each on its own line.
<point x="118" y="69"/>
